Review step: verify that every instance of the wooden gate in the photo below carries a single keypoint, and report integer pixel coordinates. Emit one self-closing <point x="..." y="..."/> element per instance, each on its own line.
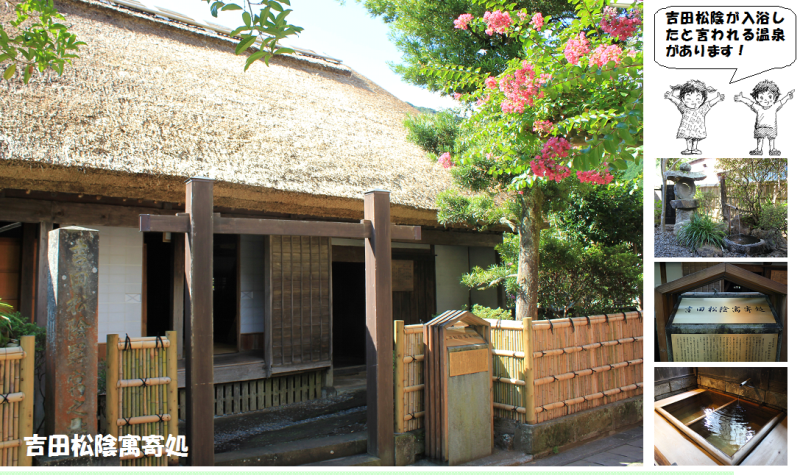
<point x="16" y="407"/>
<point x="409" y="377"/>
<point x="142" y="392"/>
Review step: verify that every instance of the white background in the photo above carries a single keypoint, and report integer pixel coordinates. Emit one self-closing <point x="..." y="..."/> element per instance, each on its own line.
<point x="730" y="135"/>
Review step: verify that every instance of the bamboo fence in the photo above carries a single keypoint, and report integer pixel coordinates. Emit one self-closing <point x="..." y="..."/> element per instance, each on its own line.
<point x="580" y="363"/>
<point x="409" y="379"/>
<point x="16" y="407"/>
<point x="770" y="192"/>
<point x="508" y="384"/>
<point x="542" y="369"/>
<point x="142" y="392"/>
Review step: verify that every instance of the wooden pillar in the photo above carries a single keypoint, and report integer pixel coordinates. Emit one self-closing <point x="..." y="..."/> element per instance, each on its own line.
<point x="178" y="282"/>
<point x="378" y="268"/>
<point x="172" y="389"/>
<point x="27" y="277"/>
<point x="41" y="274"/>
<point x="199" y="334"/>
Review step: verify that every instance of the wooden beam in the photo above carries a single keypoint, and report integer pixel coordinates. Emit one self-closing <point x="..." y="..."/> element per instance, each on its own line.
<point x="65" y="213"/>
<point x="27" y="277"/>
<point x="199" y="322"/>
<point x="283" y="227"/>
<point x="730" y="272"/>
<point x="378" y="267"/>
<point x="454" y="238"/>
<point x="405" y="233"/>
<point x="178" y="223"/>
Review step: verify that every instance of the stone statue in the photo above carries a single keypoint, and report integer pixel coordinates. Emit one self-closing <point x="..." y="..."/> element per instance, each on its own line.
<point x="685" y="204"/>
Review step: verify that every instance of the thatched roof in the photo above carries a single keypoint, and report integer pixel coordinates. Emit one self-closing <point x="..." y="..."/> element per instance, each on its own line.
<point x="151" y="102"/>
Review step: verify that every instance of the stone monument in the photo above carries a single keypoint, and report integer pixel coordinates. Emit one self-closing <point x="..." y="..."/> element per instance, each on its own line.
<point x="685" y="204"/>
<point x="71" y="353"/>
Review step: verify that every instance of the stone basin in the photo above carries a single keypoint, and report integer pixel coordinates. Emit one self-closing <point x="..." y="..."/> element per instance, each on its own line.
<point x="744" y="244"/>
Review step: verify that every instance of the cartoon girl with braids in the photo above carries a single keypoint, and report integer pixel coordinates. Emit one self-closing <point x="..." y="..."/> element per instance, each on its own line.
<point x="693" y="104"/>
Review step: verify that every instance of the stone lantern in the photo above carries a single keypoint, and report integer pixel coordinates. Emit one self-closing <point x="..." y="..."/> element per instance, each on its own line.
<point x="685" y="204"/>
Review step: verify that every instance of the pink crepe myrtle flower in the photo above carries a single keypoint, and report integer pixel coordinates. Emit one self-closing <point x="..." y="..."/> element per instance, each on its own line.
<point x="457" y="96"/>
<point x="604" y="54"/>
<point x="497" y="22"/>
<point x="545" y="164"/>
<point x="598" y="177"/>
<point x="491" y="82"/>
<point x="462" y="22"/>
<point x="445" y="161"/>
<point x="522" y="16"/>
<point x="543" y="126"/>
<point x="537" y="21"/>
<point x="576" y="48"/>
<point x="621" y="26"/>
<point x="521" y="88"/>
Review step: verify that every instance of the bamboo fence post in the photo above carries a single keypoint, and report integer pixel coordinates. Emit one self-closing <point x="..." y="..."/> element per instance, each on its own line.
<point x="172" y="391"/>
<point x="26" y="367"/>
<point x="527" y="368"/>
<point x="112" y="393"/>
<point x="399" y="354"/>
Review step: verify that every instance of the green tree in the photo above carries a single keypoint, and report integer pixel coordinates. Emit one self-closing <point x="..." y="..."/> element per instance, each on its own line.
<point x="747" y="180"/>
<point x="423" y="32"/>
<point x="36" y="40"/>
<point x="570" y="102"/>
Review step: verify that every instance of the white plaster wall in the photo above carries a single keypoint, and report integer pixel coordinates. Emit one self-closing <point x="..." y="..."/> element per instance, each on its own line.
<point x="451" y="263"/>
<point x="251" y="284"/>
<point x="674" y="272"/>
<point x="483" y="257"/>
<point x="120" y="286"/>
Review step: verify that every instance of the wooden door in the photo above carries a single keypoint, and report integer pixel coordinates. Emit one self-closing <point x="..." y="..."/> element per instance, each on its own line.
<point x="9" y="271"/>
<point x="297" y="317"/>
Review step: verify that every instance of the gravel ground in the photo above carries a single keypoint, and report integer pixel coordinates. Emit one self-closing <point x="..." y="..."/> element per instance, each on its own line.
<point x="665" y="245"/>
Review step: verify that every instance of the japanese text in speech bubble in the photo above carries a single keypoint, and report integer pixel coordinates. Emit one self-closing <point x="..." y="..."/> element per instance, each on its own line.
<point x="749" y="39"/>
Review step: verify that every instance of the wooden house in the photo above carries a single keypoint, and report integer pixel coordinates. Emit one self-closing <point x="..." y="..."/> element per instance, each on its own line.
<point x="156" y="98"/>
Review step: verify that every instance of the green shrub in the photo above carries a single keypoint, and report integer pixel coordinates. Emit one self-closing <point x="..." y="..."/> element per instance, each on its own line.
<point x="491" y="313"/>
<point x="435" y="133"/>
<point x="773" y="216"/>
<point x="701" y="230"/>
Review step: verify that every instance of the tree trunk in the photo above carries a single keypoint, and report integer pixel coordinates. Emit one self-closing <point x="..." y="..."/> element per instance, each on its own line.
<point x="530" y="228"/>
<point x="663" y="195"/>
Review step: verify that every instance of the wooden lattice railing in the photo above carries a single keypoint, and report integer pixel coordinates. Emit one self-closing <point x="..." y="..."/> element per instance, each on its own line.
<point x="16" y="401"/>
<point x="142" y="392"/>
<point x="409" y="377"/>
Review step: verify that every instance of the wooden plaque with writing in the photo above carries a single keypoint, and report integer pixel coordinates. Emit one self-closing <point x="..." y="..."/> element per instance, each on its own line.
<point x="402" y="276"/>
<point x="724" y="347"/>
<point x="468" y="362"/>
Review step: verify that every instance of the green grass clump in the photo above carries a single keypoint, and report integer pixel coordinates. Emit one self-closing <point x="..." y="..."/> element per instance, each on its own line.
<point x="700" y="231"/>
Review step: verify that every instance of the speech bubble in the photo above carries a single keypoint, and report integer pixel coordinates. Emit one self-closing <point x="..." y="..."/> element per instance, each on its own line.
<point x="749" y="39"/>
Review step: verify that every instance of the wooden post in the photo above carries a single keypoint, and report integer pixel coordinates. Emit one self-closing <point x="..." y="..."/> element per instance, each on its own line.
<point x="378" y="269"/>
<point x="399" y="370"/>
<point x="172" y="388"/>
<point x="26" y="369"/>
<point x="27" y="276"/>
<point x="41" y="275"/>
<point x="199" y="325"/>
<point x="527" y="368"/>
<point x="178" y="282"/>
<point x="112" y="393"/>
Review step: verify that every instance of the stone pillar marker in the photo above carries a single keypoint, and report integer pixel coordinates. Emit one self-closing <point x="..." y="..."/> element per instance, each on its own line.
<point x="71" y="354"/>
<point x="685" y="204"/>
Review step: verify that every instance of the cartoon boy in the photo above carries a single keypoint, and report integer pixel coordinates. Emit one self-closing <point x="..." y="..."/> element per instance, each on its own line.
<point x="693" y="104"/>
<point x="766" y="107"/>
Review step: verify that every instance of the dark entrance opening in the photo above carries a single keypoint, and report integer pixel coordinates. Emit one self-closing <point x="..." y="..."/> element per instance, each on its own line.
<point x="158" y="293"/>
<point x="226" y="271"/>
<point x="349" y="310"/>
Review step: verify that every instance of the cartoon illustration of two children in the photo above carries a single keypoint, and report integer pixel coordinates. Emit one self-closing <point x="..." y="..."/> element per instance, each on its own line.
<point x="693" y="103"/>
